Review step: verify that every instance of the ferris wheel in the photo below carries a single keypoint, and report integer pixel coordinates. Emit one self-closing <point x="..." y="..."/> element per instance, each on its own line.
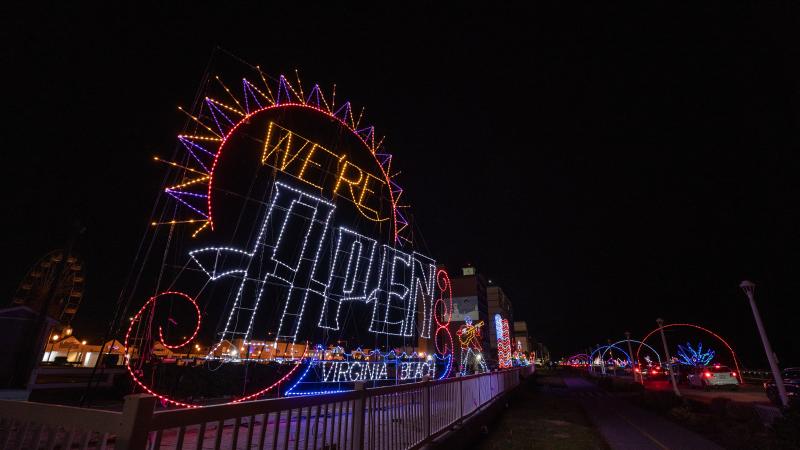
<point x="43" y="280"/>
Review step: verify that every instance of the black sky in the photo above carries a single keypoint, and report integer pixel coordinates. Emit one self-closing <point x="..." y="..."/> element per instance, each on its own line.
<point x="606" y="165"/>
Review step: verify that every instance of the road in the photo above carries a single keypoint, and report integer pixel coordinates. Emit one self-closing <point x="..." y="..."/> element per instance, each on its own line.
<point x="747" y="393"/>
<point x="627" y="427"/>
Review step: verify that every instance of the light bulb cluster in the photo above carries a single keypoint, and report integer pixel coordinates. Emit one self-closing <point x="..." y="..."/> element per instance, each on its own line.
<point x="219" y="121"/>
<point x="695" y="357"/>
<point x="469" y="336"/>
<point x="211" y="260"/>
<point x="288" y="151"/>
<point x="697" y="327"/>
<point x="127" y="351"/>
<point x="404" y="279"/>
<point x="370" y="367"/>
<point x="274" y="385"/>
<point x="601" y="350"/>
<point x="444" y="306"/>
<point x="503" y="342"/>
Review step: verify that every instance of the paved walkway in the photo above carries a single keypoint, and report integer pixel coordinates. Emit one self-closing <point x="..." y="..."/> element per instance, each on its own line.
<point x="627" y="427"/>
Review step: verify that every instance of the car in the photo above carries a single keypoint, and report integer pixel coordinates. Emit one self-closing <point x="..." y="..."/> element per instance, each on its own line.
<point x="716" y="376"/>
<point x="682" y="374"/>
<point x="654" y="373"/>
<point x="791" y="382"/>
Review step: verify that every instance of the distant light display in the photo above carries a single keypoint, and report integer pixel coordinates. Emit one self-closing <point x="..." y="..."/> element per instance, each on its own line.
<point x="503" y="342"/>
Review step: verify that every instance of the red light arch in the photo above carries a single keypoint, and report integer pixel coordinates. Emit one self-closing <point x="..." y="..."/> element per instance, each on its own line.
<point x="691" y="325"/>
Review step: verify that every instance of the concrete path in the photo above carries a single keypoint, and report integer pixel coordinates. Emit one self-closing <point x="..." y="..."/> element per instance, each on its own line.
<point x="627" y="427"/>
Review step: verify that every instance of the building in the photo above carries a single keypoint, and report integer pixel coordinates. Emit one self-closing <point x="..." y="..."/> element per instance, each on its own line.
<point x="498" y="303"/>
<point x="521" y="336"/>
<point x="470" y="300"/>
<point x="524" y="342"/>
<point x="18" y="330"/>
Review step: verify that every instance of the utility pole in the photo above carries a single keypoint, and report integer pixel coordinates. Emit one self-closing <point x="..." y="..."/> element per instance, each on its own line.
<point x="630" y="353"/>
<point x="749" y="287"/>
<point x="660" y="323"/>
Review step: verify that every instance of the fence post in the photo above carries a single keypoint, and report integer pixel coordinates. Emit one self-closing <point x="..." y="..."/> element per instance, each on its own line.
<point x="135" y="426"/>
<point x="426" y="402"/>
<point x="460" y="399"/>
<point x="358" y="415"/>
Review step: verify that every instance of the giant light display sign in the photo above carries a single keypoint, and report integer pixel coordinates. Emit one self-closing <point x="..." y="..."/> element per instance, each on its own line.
<point x="288" y="227"/>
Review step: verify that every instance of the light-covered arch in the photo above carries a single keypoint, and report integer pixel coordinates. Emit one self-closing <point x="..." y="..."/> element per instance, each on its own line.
<point x="637" y="353"/>
<point x="578" y="356"/>
<point x="698" y="327"/>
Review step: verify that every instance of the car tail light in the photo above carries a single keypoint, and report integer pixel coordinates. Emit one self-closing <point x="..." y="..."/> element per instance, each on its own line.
<point x="707" y="374"/>
<point x="733" y="374"/>
<point x="636" y="370"/>
<point x="654" y="372"/>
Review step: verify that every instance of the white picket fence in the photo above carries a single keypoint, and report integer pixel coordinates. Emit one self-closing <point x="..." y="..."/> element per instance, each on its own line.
<point x="393" y="417"/>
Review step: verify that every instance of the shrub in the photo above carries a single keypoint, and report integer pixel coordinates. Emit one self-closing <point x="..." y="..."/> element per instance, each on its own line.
<point x="719" y="405"/>
<point x="741" y="412"/>
<point x="787" y="428"/>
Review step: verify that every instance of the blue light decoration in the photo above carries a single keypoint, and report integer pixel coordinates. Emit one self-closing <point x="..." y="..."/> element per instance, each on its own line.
<point x="598" y="360"/>
<point x="327" y="376"/>
<point x="688" y="356"/>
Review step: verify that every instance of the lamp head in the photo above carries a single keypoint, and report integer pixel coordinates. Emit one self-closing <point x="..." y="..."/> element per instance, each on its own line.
<point x="747" y="286"/>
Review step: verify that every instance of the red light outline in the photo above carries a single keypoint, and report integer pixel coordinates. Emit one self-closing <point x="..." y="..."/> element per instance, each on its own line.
<point x="724" y="342"/>
<point x="443" y="282"/>
<point x="166" y="398"/>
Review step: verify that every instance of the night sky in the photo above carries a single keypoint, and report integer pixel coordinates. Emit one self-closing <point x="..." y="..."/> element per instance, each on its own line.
<point x="605" y="165"/>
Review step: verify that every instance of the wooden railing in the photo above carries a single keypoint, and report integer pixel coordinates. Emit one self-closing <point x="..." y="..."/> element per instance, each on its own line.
<point x="392" y="417"/>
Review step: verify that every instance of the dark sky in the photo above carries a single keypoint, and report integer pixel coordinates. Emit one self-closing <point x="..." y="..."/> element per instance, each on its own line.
<point x="606" y="165"/>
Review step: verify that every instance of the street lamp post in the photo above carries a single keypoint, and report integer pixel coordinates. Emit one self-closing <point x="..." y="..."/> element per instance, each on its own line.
<point x="602" y="361"/>
<point x="630" y="355"/>
<point x="749" y="287"/>
<point x="660" y="323"/>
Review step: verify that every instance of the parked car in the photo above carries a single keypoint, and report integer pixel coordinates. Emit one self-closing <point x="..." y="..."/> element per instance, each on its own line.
<point x="713" y="376"/>
<point x="791" y="382"/>
<point x="654" y="373"/>
<point x="682" y="373"/>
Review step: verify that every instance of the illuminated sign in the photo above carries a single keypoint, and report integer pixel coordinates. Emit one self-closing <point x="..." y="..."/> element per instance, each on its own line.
<point x="326" y="376"/>
<point x="295" y="155"/>
<point x="336" y="371"/>
<point x="300" y="236"/>
<point x="399" y="282"/>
